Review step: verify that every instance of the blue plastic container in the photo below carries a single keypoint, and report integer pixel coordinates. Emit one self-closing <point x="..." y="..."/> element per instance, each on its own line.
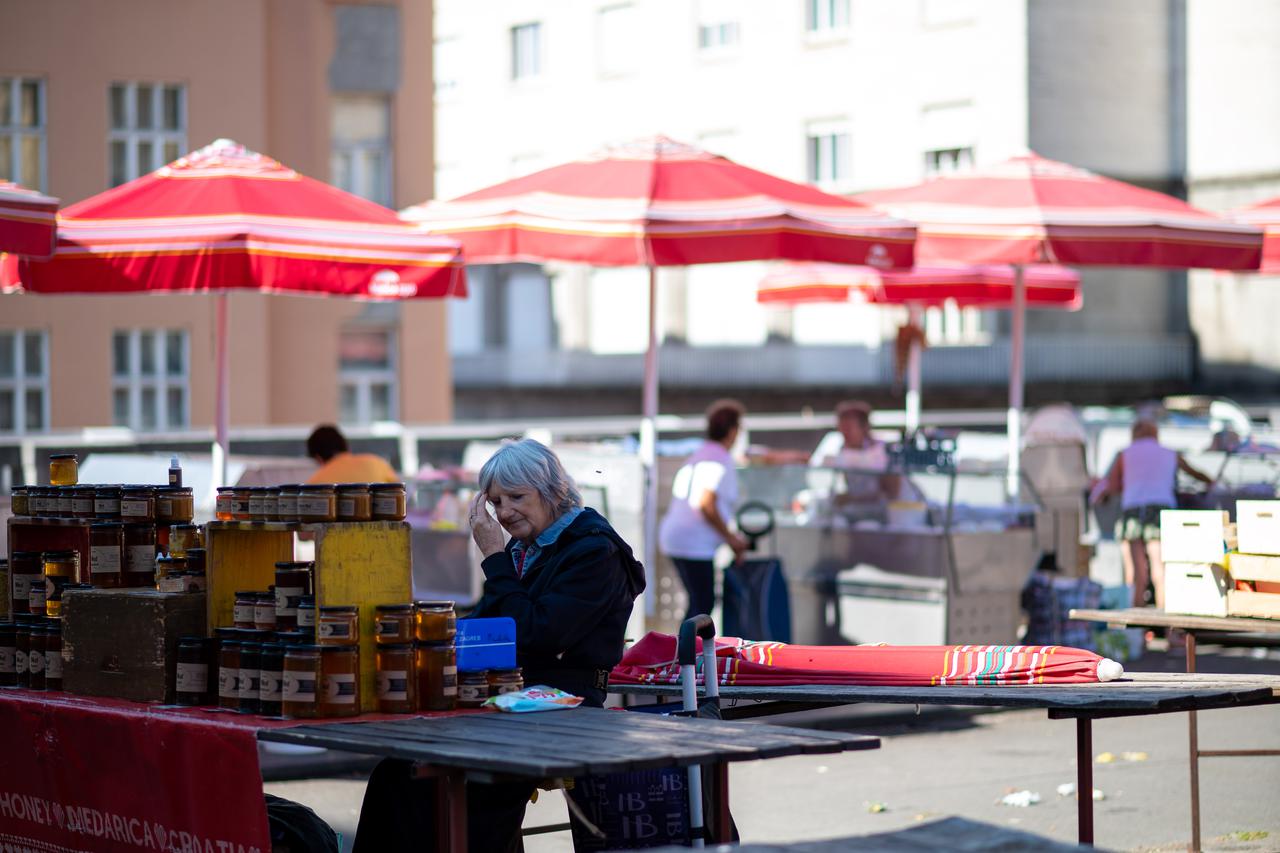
<point x="486" y="644"/>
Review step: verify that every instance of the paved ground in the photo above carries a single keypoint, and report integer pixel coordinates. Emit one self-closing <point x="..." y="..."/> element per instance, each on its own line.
<point x="961" y="763"/>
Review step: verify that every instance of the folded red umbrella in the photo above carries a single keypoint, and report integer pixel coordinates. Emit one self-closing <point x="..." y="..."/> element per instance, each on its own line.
<point x="745" y="662"/>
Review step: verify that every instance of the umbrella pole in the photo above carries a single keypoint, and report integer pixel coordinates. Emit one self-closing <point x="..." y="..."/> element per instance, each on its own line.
<point x="648" y="445"/>
<point x="914" y="355"/>
<point x="1017" y="345"/>
<point x="222" y="408"/>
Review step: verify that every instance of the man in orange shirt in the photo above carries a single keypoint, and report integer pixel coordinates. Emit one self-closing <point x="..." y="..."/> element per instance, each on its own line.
<point x="339" y="465"/>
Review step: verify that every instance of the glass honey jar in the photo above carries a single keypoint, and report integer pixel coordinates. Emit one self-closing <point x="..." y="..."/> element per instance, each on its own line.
<point x="229" y="672"/>
<point x="191" y="677"/>
<point x="437" y="673"/>
<point x="224" y="506"/>
<point x="61" y="501"/>
<point x="106" y="503"/>
<point x="106" y="554"/>
<point x="174" y="505"/>
<point x="25" y="570"/>
<point x="264" y="611"/>
<point x="393" y="624"/>
<point x="139" y="554"/>
<point x="270" y="504"/>
<point x="19" y="501"/>
<point x="249" y="683"/>
<point x="60" y="569"/>
<point x="505" y="681"/>
<point x="271" y="668"/>
<point x="435" y="622"/>
<point x="293" y="580"/>
<point x="137" y="504"/>
<point x="340" y="681"/>
<point x="287" y="503"/>
<point x="389" y="501"/>
<point x="82" y="499"/>
<point x="242" y="611"/>
<point x="337" y="625"/>
<point x="63" y="469"/>
<point x="300" y="680"/>
<point x="354" y="502"/>
<point x="317" y="503"/>
<point x="397" y="685"/>
<point x="53" y="655"/>
<point x="307" y="615"/>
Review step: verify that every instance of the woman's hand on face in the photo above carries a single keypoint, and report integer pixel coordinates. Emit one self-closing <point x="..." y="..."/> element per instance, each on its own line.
<point x="485" y="529"/>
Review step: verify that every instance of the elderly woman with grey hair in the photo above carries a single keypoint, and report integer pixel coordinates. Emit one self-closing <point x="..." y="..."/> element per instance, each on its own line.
<point x="569" y="581"/>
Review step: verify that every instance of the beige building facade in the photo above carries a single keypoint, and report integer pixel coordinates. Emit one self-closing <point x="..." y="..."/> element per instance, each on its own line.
<point x="93" y="94"/>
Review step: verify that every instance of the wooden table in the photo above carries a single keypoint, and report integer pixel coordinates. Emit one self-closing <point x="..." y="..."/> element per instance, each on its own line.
<point x="1134" y="695"/>
<point x="1231" y="630"/>
<point x="555" y="744"/>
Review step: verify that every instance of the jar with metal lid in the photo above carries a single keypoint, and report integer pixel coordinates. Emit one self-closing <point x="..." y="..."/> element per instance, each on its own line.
<point x="245" y="605"/>
<point x="287" y="503"/>
<point x="300" y="680"/>
<point x="106" y="554"/>
<point x="53" y="655"/>
<point x="175" y="505"/>
<point x="435" y="622"/>
<point x="8" y="651"/>
<point x="183" y="537"/>
<point x="256" y="494"/>
<point x="271" y="674"/>
<point x="106" y="503"/>
<point x="191" y="678"/>
<point x="60" y="568"/>
<point x="139" y="554"/>
<point x="229" y="673"/>
<point x="393" y="623"/>
<point x="62" y="500"/>
<point x="250" y="682"/>
<point x="339" y="681"/>
<point x="35" y="501"/>
<point x="264" y="611"/>
<point x="388" y="501"/>
<point x="82" y="498"/>
<point x="63" y="469"/>
<point x="437" y="672"/>
<point x="172" y="582"/>
<point x="25" y="569"/>
<point x="317" y="503"/>
<point x="307" y="614"/>
<point x="35" y="656"/>
<point x="337" y="625"/>
<point x="354" y="502"/>
<point x="137" y="504"/>
<point x="224" y="505"/>
<point x="240" y="506"/>
<point x="505" y="681"/>
<point x="397" y="693"/>
<point x="270" y="504"/>
<point x="294" y="638"/>
<point x="196" y="560"/>
<point x="293" y="580"/>
<point x="22" y="649"/>
<point x="167" y="565"/>
<point x="473" y="689"/>
<point x="19" y="501"/>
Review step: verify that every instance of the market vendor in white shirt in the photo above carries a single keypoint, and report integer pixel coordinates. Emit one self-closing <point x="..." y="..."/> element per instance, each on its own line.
<point x="852" y="447"/>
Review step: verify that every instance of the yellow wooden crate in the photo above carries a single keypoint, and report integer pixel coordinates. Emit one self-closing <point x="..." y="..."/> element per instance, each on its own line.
<point x="241" y="555"/>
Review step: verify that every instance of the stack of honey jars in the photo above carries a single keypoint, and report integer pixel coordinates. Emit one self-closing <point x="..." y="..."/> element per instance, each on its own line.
<point x="417" y="662"/>
<point x="313" y="503"/>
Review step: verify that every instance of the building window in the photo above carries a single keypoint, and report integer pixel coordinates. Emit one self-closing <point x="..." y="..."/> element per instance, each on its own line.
<point x="360" y="156"/>
<point x="151" y="379"/>
<point x="526" y="51"/>
<point x="822" y="16"/>
<point x="830" y="156"/>
<point x="22" y="131"/>
<point x="618" y="49"/>
<point x="24" y="378"/>
<point x="367" y="384"/>
<point x="944" y="161"/>
<point x="717" y="36"/>
<point x="950" y="324"/>
<point x="445" y="58"/>
<point x="148" y="128"/>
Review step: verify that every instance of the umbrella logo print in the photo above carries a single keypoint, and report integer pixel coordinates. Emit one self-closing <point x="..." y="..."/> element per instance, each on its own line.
<point x="386" y="284"/>
<point x="878" y="256"/>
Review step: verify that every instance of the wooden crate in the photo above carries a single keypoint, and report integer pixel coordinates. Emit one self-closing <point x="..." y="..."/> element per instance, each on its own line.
<point x="241" y="555"/>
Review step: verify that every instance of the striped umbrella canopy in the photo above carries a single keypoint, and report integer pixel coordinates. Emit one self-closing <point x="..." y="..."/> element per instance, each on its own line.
<point x="1266" y="216"/>
<point x="28" y="221"/>
<point x="225" y="219"/>
<point x="657" y="202"/>
<point x="652" y="660"/>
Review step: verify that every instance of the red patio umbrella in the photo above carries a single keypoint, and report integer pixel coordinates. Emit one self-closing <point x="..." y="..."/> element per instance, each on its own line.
<point x="656" y="202"/>
<point x="922" y="286"/>
<point x="652" y="660"/>
<point x="225" y="218"/>
<point x="28" y="221"/>
<point x="1266" y="216"/>
<point x="1029" y="209"/>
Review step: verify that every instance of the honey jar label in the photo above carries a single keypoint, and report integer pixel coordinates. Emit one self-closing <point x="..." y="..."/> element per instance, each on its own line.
<point x="133" y="509"/>
<point x="192" y="678"/>
<point x="449" y="680"/>
<point x="287" y="600"/>
<point x="106" y="506"/>
<point x="164" y="507"/>
<point x="225" y="505"/>
<point x="334" y="631"/>
<point x="473" y="692"/>
<point x="306" y="617"/>
<point x="7" y="663"/>
<point x="346" y="507"/>
<point x="249" y="684"/>
<point x="19" y="661"/>
<point x="340" y="688"/>
<point x="393" y="684"/>
<point x="385" y="506"/>
<point x="264" y="616"/>
<point x="228" y="683"/>
<point x="53" y="664"/>
<point x="35" y="662"/>
<point x="64" y="506"/>
<point x="512" y="687"/>
<point x="141" y="558"/>
<point x="22" y="586"/>
<point x="104" y="559"/>
<point x="269" y="686"/>
<point x="298" y="687"/>
<point x="82" y="506"/>
<point x="242" y="613"/>
<point x="313" y="506"/>
<point x="36" y="598"/>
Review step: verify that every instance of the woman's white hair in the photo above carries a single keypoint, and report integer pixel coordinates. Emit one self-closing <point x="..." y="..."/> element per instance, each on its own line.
<point x="529" y="464"/>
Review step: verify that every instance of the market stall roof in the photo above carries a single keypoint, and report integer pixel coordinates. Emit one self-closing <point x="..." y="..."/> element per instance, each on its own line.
<point x="28" y="221"/>
<point x="1266" y="216"/>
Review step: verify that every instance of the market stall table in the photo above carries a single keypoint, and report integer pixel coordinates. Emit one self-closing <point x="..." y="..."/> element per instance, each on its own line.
<point x="1232" y="630"/>
<point x="1136" y="694"/>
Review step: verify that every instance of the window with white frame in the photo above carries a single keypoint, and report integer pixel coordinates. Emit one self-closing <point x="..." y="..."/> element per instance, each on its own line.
<point x="526" y="51"/>
<point x="151" y="379"/>
<point x="22" y="131"/>
<point x="944" y="161"/>
<point x="951" y="324"/>
<point x="618" y="48"/>
<point x="717" y="25"/>
<point x="360" y="146"/>
<point x="825" y="16"/>
<point x="367" y="381"/>
<point x="148" y="128"/>
<point x="829" y="151"/>
<point x="24" y="381"/>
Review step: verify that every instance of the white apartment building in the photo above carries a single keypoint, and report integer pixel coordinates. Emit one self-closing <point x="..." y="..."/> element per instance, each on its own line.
<point x="847" y="94"/>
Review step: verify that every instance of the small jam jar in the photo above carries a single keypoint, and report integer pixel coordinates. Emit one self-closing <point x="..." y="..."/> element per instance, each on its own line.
<point x="287" y="503"/>
<point x="435" y="622"/>
<point x="61" y="501"/>
<point x="437" y="672"/>
<point x="340" y="681"/>
<point x="224" y="507"/>
<point x="175" y="505"/>
<point x="271" y="668"/>
<point x="19" y="501"/>
<point x="53" y="655"/>
<point x="264" y="611"/>
<point x="337" y="625"/>
<point x="354" y="502"/>
<point x="250" y="681"/>
<point x="82" y="498"/>
<point x="270" y="504"/>
<point x="301" y="677"/>
<point x="138" y="504"/>
<point x="505" y="681"/>
<point x="60" y="569"/>
<point x="183" y="537"/>
<point x="256" y="493"/>
<point x="106" y="554"/>
<point x="240" y="506"/>
<point x="393" y="623"/>
<point x="139" y="554"/>
<point x="473" y="689"/>
<point x="396" y="681"/>
<point x="307" y="615"/>
<point x="191" y="679"/>
<point x="25" y="570"/>
<point x="293" y="580"/>
<point x="229" y="673"/>
<point x="246" y="604"/>
<point x="317" y="503"/>
<point x="106" y="503"/>
<point x="388" y="501"/>
<point x="63" y="469"/>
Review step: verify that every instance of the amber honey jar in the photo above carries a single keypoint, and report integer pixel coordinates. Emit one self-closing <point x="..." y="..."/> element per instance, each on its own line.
<point x="317" y="503"/>
<point x="505" y="681"/>
<point x="397" y="693"/>
<point x="307" y="615"/>
<point x="8" y="651"/>
<point x="19" y="500"/>
<point x="183" y="537"/>
<point x="53" y="655"/>
<point x="139" y="554"/>
<point x="61" y="501"/>
<point x="106" y="554"/>
<point x="473" y="689"/>
<point x="174" y="505"/>
<point x="435" y="622"/>
<point x="287" y="503"/>
<point x="339" y="681"/>
<point x="224" y="506"/>
<point x="393" y="623"/>
<point x="264" y="611"/>
<point x="63" y="469"/>
<point x="60" y="568"/>
<point x="138" y="504"/>
<point x="82" y="498"/>
<point x="354" y="502"/>
<point x="243" y="610"/>
<point x="191" y="677"/>
<point x="337" y="625"/>
<point x="293" y="580"/>
<point x="437" y="672"/>
<point x="25" y="569"/>
<point x="300" y="680"/>
<point x="271" y="676"/>
<point x="35" y="655"/>
<point x="229" y="672"/>
<point x="388" y="501"/>
<point x="106" y="503"/>
<point x="250" y="681"/>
